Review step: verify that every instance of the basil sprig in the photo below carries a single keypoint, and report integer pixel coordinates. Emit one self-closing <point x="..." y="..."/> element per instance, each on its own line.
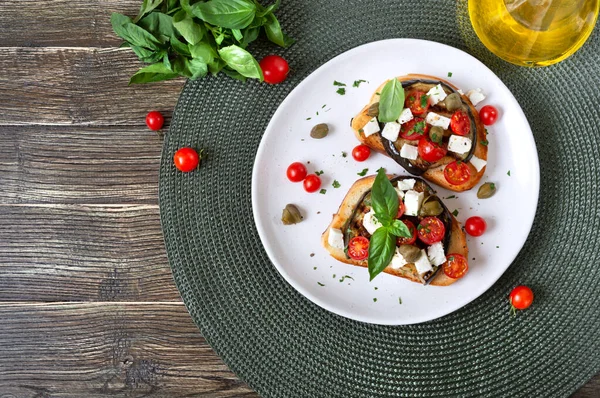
<point x="190" y="38"/>
<point x="385" y="202"/>
<point x="391" y="101"/>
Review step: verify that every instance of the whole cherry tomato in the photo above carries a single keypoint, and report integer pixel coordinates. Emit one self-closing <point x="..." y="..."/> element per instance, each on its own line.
<point x="275" y="69"/>
<point x="155" y="120"/>
<point x="296" y="172"/>
<point x="312" y="183"/>
<point x="521" y="297"/>
<point x="186" y="159"/>
<point x="360" y="153"/>
<point x="475" y="226"/>
<point x="488" y="115"/>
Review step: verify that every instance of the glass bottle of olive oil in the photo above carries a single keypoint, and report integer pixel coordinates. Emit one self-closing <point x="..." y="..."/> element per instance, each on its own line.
<point x="533" y="32"/>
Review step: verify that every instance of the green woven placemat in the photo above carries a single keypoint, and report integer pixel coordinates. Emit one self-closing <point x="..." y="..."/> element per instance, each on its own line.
<point x="282" y="344"/>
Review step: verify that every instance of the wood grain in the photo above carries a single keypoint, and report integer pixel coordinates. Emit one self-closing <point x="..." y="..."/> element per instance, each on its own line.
<point x="64" y="23"/>
<point x="83" y="253"/>
<point x="41" y="164"/>
<point x="590" y="390"/>
<point x="82" y="86"/>
<point x="108" y="350"/>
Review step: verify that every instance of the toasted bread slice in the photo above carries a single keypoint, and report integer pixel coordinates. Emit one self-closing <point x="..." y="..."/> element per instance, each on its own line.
<point x="434" y="174"/>
<point x="458" y="240"/>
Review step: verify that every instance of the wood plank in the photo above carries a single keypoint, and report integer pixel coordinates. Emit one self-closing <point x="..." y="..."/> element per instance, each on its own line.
<point x="85" y="86"/>
<point x="40" y="164"/>
<point x="108" y="350"/>
<point x="83" y="253"/>
<point x="590" y="390"/>
<point x="66" y="23"/>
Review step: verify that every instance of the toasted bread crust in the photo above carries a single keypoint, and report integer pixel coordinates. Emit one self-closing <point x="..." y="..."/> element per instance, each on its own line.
<point x="458" y="239"/>
<point x="435" y="175"/>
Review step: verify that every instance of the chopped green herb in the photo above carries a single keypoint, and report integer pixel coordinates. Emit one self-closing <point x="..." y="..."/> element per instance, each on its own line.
<point x="374" y="300"/>
<point x="336" y="184"/>
<point x="497" y="247"/>
<point x="485" y="142"/>
<point x="419" y="127"/>
<point x="323" y="106"/>
<point x="336" y="83"/>
<point x="449" y="74"/>
<point x="358" y="82"/>
<point x="346" y="277"/>
<point x="341" y="91"/>
<point x="376" y="288"/>
<point x="508" y="174"/>
<point x="334" y="276"/>
<point x="381" y="169"/>
<point x="320" y="284"/>
<point x="344" y="154"/>
<point x="317" y="113"/>
<point x="412" y="98"/>
<point x="486" y="131"/>
<point x="361" y="131"/>
<point x="424" y="99"/>
<point x="319" y="172"/>
<point x="323" y="191"/>
<point x="399" y="300"/>
<point x="451" y="197"/>
<point x="455" y="213"/>
<point x="363" y="173"/>
<point x="378" y="93"/>
<point x="314" y="268"/>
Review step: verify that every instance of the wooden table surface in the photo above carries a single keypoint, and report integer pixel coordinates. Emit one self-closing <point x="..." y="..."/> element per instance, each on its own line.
<point x="88" y="307"/>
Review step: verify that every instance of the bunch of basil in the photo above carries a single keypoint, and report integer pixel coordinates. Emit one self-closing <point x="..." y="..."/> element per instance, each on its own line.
<point x="191" y="38"/>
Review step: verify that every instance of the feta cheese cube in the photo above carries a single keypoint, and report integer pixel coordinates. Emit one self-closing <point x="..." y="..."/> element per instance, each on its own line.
<point x="405" y="116"/>
<point x="476" y="96"/>
<point x="459" y="144"/>
<point x="478" y="163"/>
<point x="436" y="254"/>
<point x="400" y="193"/>
<point x="412" y="202"/>
<point x="436" y="94"/>
<point x="335" y="238"/>
<point x="370" y="222"/>
<point x="409" y="152"/>
<point x="406" y="184"/>
<point x="391" y="131"/>
<point x="398" y="261"/>
<point x="422" y="264"/>
<point x="437" y="120"/>
<point x="371" y="127"/>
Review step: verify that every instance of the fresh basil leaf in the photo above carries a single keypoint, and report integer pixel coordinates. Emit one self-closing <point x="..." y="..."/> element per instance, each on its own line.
<point x="233" y="74"/>
<point x="258" y="22"/>
<point x="152" y="73"/>
<point x="147" y="6"/>
<point x="216" y="66"/>
<point x="398" y="228"/>
<point x="237" y="34"/>
<point x="167" y="62"/>
<point x="172" y="5"/>
<point x="148" y="56"/>
<point x="381" y="251"/>
<point x="274" y="33"/>
<point x="185" y="6"/>
<point x="180" y="47"/>
<point x="132" y="33"/>
<point x="197" y="68"/>
<point x="219" y="38"/>
<point x="173" y="11"/>
<point x="190" y="30"/>
<point x="182" y="67"/>
<point x="159" y="24"/>
<point x="391" y="101"/>
<point x="231" y="14"/>
<point x="204" y="52"/>
<point x="250" y="34"/>
<point x="262" y="11"/>
<point x="241" y="61"/>
<point x="384" y="198"/>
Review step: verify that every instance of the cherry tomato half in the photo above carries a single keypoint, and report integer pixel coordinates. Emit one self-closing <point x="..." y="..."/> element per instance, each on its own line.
<point x="475" y="226"/>
<point x="408" y="241"/>
<point x="312" y="183"/>
<point x="417" y="101"/>
<point x="186" y="159"/>
<point x="401" y="209"/>
<point x="414" y="129"/>
<point x="460" y="123"/>
<point x="430" y="151"/>
<point x="521" y="297"/>
<point x="457" y="172"/>
<point x="275" y="69"/>
<point x="358" y="248"/>
<point x="360" y="153"/>
<point x="155" y="120"/>
<point x="296" y="172"/>
<point x="431" y="230"/>
<point x="488" y="115"/>
<point x="456" y="266"/>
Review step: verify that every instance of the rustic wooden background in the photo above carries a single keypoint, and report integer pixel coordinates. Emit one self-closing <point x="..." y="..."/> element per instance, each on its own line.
<point x="88" y="307"/>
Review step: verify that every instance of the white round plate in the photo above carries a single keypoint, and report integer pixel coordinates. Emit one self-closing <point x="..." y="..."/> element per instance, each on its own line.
<point x="296" y="250"/>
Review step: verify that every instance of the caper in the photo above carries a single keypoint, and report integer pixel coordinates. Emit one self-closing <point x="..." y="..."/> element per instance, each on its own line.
<point x="373" y="110"/>
<point x="291" y="215"/>
<point x="487" y="190"/>
<point x="431" y="207"/>
<point x="410" y="253"/>
<point x="453" y="102"/>
<point x="319" y="131"/>
<point x="436" y="134"/>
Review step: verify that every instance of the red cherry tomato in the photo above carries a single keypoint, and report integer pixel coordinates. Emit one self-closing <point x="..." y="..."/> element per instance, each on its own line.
<point x="401" y="209"/>
<point x="275" y="69"/>
<point x="414" y="129"/>
<point x="521" y="297"/>
<point x="457" y="172"/>
<point x="456" y="266"/>
<point x="430" y="151"/>
<point x="155" y="120"/>
<point x="417" y="101"/>
<point x="186" y="159"/>
<point x="358" y="248"/>
<point x="460" y="123"/>
<point x="296" y="172"/>
<point x="488" y="115"/>
<point x="361" y="153"/>
<point x="412" y="239"/>
<point x="312" y="183"/>
<point x="475" y="226"/>
<point x="431" y="230"/>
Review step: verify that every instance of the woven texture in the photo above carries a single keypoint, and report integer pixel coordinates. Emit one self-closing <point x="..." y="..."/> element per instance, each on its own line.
<point x="283" y="345"/>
